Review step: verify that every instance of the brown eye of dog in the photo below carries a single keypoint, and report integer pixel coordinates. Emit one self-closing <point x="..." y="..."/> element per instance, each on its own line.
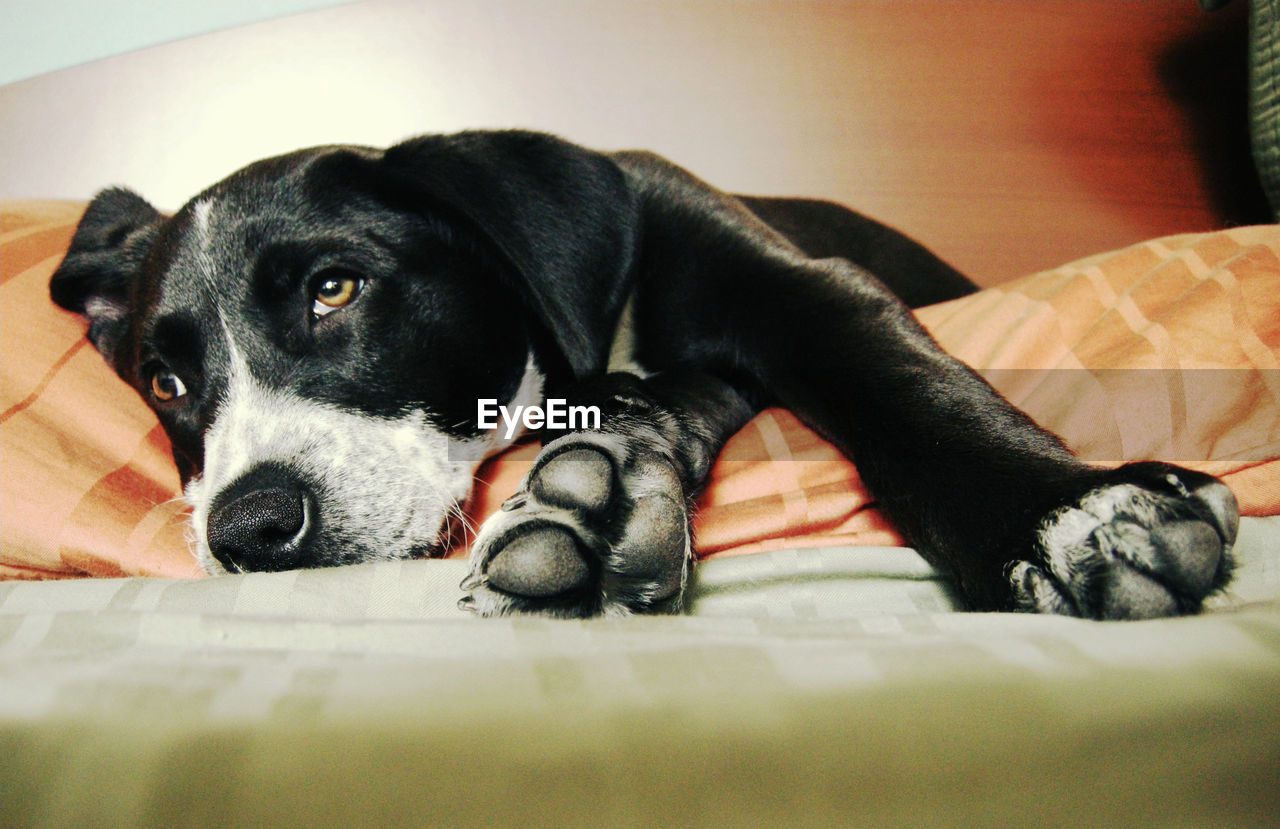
<point x="166" y="385"/>
<point x="333" y="291"/>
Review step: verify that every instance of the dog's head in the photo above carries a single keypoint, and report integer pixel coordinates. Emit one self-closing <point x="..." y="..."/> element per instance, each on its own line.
<point x="314" y="332"/>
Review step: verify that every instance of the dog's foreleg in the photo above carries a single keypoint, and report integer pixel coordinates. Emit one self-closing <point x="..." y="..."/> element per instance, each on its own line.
<point x="983" y="492"/>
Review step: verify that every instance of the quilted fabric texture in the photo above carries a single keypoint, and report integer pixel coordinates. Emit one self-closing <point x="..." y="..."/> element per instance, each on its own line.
<point x="1166" y="350"/>
<point x="806" y="688"/>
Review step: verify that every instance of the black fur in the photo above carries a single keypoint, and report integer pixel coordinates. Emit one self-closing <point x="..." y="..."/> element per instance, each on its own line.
<point x="477" y="249"/>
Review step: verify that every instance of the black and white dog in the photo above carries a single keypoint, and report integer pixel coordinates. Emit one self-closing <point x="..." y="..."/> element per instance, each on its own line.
<point x="315" y="333"/>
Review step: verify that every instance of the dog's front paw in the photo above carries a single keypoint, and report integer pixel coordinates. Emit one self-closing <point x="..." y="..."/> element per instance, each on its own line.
<point x="1153" y="541"/>
<point x="596" y="528"/>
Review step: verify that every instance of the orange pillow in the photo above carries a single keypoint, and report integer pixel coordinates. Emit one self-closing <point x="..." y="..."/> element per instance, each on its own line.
<point x="1165" y="350"/>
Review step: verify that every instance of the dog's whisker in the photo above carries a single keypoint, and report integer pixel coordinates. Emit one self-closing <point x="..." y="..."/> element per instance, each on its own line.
<point x="177" y="499"/>
<point x="458" y="511"/>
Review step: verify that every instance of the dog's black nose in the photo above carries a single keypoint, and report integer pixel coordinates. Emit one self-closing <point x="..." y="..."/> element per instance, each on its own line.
<point x="262" y="528"/>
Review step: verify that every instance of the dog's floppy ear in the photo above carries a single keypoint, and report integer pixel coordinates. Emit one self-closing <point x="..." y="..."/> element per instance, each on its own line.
<point x="95" y="278"/>
<point x="563" y="217"/>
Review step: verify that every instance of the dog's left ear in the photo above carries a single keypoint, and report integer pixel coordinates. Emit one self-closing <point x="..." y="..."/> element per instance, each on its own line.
<point x="562" y="216"/>
<point x="97" y="274"/>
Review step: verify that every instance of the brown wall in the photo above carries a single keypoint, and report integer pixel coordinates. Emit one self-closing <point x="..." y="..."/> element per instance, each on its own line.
<point x="1010" y="135"/>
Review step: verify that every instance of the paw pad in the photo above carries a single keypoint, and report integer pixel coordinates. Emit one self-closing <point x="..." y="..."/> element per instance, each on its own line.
<point x="539" y="564"/>
<point x="575" y="479"/>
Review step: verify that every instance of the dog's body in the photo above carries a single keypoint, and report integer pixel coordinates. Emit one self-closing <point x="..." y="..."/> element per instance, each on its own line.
<point x="315" y="332"/>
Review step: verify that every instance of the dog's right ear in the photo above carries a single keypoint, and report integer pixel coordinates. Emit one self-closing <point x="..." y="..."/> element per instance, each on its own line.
<point x="97" y="274"/>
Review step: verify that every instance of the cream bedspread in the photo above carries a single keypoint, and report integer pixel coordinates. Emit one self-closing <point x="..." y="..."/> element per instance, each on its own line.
<point x="803" y="687"/>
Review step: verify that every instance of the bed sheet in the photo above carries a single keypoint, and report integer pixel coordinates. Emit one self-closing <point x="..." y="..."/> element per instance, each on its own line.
<point x="822" y="686"/>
